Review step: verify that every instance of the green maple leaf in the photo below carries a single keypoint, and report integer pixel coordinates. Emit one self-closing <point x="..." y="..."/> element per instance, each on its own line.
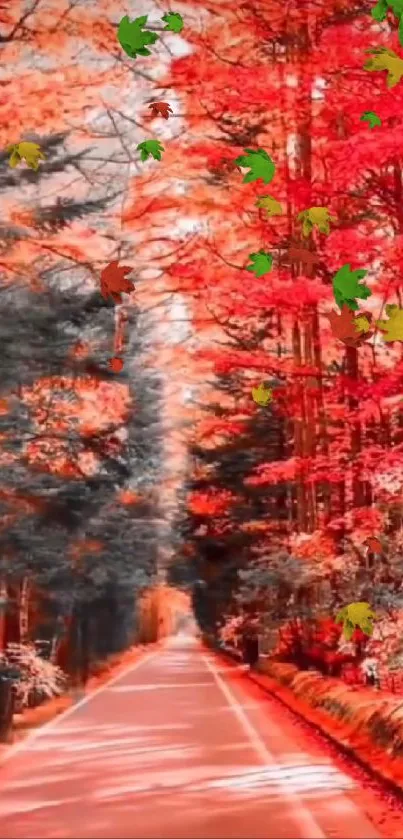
<point x="384" y="59"/>
<point x="150" y="147"/>
<point x="380" y="11"/>
<point x="259" y="163"/>
<point x="133" y="38"/>
<point x="261" y="263"/>
<point x="346" y="287"/>
<point x="371" y="118"/>
<point x="174" y="22"/>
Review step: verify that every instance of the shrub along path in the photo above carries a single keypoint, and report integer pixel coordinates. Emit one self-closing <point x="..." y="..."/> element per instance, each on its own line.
<point x="368" y="722"/>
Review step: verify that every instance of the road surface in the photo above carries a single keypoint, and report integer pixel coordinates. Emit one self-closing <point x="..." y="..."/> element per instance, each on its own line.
<point x="180" y="746"/>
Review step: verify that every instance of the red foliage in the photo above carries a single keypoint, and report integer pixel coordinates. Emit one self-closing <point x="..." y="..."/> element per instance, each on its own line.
<point x="210" y="504"/>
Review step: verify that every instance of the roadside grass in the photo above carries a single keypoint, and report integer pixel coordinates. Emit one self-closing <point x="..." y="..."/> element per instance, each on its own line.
<point x="365" y="721"/>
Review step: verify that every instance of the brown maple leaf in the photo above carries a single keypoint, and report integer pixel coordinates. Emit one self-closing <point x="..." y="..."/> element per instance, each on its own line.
<point x="160" y="109"/>
<point x="303" y="255"/>
<point x="374" y="544"/>
<point x="114" y="282"/>
<point x="345" y="328"/>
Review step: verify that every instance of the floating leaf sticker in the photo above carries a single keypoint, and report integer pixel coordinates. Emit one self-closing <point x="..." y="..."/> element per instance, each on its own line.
<point x="356" y="614"/>
<point x="133" y="38"/>
<point x="114" y="281"/>
<point x="151" y="148"/>
<point x="15" y="158"/>
<point x="260" y="164"/>
<point x="385" y="59"/>
<point x="174" y="22"/>
<point x="262" y="395"/>
<point x="261" y="263"/>
<point x="392" y="328"/>
<point x="116" y="364"/>
<point x="319" y="217"/>
<point x="347" y="286"/>
<point x="363" y="323"/>
<point x="347" y="328"/>
<point x="160" y="109"/>
<point x="371" y="118"/>
<point x="30" y="152"/>
<point x="270" y="204"/>
<point x="380" y="11"/>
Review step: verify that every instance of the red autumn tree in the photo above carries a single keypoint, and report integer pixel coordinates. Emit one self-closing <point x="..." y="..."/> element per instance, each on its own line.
<point x="290" y="79"/>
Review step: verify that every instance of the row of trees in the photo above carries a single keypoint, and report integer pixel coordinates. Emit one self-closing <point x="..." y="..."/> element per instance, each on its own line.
<point x="282" y="499"/>
<point x="82" y="452"/>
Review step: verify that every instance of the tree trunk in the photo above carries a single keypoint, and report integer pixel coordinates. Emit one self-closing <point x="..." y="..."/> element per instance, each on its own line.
<point x="23" y="611"/>
<point x="361" y="489"/>
<point x="299" y="427"/>
<point x="3" y="612"/>
<point x="305" y="430"/>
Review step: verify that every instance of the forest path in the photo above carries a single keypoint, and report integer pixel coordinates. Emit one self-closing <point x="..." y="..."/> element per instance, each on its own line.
<point x="180" y="746"/>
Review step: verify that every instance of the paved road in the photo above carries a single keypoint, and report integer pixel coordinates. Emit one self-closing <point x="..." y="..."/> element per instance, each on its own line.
<point x="178" y="747"/>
